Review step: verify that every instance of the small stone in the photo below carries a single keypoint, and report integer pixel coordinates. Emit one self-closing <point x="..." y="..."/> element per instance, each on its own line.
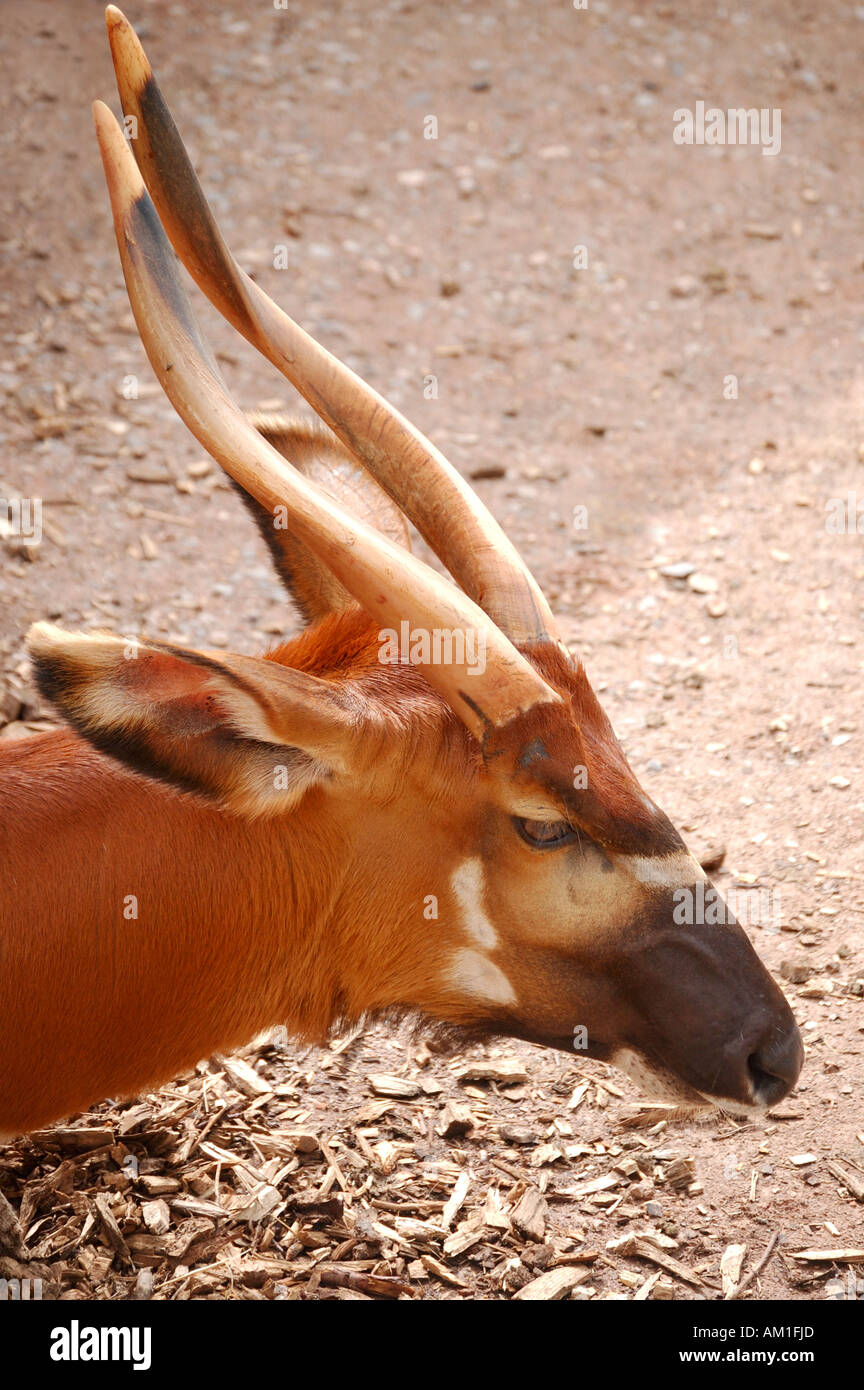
<point x="840" y="782"/>
<point x="802" y="1160"/>
<point x="715" y="608"/>
<point x="795" y="971"/>
<point x="653" y="1209"/>
<point x="684" y="287"/>
<point x="148" y="473"/>
<point x="682" y="569"/>
<point x="711" y="857"/>
<point x="512" y="1134"/>
<point x="702" y="583"/>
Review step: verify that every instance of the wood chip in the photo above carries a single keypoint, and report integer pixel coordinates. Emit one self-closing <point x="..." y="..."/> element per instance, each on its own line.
<point x="528" y="1216"/>
<point x="456" y="1199"/>
<point x="585" y="1189"/>
<point x="113" y="1234"/>
<point x="644" y="1291"/>
<point x="375" y="1285"/>
<point x="852" y="1180"/>
<point x="730" y="1266"/>
<point x="443" y="1273"/>
<point x="243" y="1077"/>
<point x="456" y="1121"/>
<point x="848" y="1257"/>
<point x="86" y="1137"/>
<point x="157" y="1216"/>
<point x="396" y="1087"/>
<point x="11" y="1236"/>
<point x="552" y="1285"/>
<point x="505" y="1073"/>
<point x="643" y="1249"/>
<point x="264" y="1202"/>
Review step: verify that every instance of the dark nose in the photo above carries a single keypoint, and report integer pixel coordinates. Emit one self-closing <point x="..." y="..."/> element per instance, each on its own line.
<point x="775" y="1064"/>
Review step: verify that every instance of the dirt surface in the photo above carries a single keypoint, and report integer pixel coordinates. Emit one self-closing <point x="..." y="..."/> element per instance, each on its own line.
<point x="443" y="270"/>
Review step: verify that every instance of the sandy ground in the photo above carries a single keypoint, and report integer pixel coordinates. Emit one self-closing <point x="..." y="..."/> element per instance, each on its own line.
<point x="693" y="385"/>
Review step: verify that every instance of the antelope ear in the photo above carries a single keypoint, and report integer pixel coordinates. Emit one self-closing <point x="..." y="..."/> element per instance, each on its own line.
<point x="243" y="731"/>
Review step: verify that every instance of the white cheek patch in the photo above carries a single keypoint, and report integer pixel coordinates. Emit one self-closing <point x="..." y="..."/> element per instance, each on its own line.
<point x="472" y="973"/>
<point x="667" y="871"/>
<point x="469" y="890"/>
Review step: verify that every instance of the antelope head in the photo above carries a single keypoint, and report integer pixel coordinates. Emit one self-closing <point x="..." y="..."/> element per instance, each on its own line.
<point x="446" y="739"/>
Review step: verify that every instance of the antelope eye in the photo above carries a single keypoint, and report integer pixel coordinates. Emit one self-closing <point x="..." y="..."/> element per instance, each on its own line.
<point x="545" y="834"/>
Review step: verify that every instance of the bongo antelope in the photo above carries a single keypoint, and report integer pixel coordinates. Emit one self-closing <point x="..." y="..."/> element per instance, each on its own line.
<point x="324" y="833"/>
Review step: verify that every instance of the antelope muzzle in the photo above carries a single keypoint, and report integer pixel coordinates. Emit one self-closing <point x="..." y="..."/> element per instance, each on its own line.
<point x="704" y="1011"/>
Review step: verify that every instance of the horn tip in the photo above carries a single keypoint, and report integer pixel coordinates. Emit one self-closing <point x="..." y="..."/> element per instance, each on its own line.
<point x="130" y="60"/>
<point x="125" y="184"/>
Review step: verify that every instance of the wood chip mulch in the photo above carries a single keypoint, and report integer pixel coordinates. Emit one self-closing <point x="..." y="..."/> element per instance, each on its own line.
<point x="315" y="1175"/>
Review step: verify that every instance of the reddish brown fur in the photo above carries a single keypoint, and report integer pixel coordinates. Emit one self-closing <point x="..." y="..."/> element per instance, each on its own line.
<point x="242" y="924"/>
<point x="315" y="917"/>
<point x="238" y="927"/>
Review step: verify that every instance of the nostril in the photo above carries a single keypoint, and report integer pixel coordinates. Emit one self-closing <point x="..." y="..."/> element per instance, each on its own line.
<point x="773" y="1068"/>
<point x="768" y="1087"/>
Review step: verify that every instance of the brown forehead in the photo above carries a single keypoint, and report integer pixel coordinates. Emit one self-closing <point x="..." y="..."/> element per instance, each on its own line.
<point x="553" y="747"/>
<point x="572" y="751"/>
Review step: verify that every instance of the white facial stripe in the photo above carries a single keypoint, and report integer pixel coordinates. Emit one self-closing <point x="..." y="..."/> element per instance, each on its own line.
<point x="472" y="973"/>
<point x="469" y="890"/>
<point x="677" y="870"/>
